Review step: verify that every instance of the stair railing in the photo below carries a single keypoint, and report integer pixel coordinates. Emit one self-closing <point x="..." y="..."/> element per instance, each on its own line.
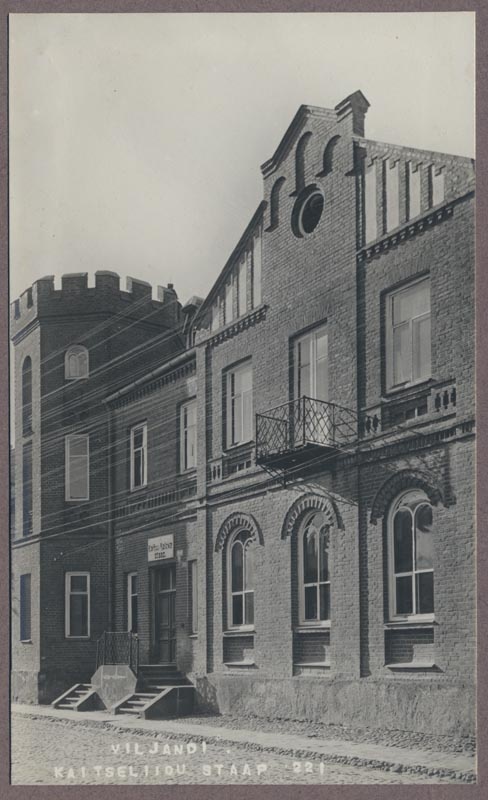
<point x="118" y="647"/>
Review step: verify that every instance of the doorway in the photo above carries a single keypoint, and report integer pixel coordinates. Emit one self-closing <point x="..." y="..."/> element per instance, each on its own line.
<point x="164" y="642"/>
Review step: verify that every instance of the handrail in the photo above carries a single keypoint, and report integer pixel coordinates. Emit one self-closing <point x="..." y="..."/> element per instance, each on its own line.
<point x="118" y="647"/>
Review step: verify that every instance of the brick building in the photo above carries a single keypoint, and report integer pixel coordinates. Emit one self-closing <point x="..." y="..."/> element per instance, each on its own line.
<point x="270" y="491"/>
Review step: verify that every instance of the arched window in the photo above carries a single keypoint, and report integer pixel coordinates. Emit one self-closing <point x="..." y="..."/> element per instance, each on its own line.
<point x="314" y="577"/>
<point x="76" y="362"/>
<point x="274" y="204"/>
<point x="411" y="556"/>
<point x="240" y="580"/>
<point x="27" y="396"/>
<point x="300" y="161"/>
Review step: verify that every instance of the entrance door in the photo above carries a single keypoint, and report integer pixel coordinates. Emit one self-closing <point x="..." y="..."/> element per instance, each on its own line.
<point x="164" y="614"/>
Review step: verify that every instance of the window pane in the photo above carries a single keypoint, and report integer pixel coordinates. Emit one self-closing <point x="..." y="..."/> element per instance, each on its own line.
<point x="423" y="537"/>
<point x="247" y="420"/>
<point x="79" y="583"/>
<point x="425" y="593"/>
<point x="310" y="602"/>
<point x="243" y="287"/>
<point x="78" y="615"/>
<point x="138" y="437"/>
<point x="78" y="446"/>
<point x="249" y="607"/>
<point x="404" y="600"/>
<point x="310" y="557"/>
<point x="322" y="383"/>
<point x="324" y="555"/>
<point x="78" y="478"/>
<point x="411" y="302"/>
<point x="237" y="618"/>
<point x="134" y="613"/>
<point x="249" y="571"/>
<point x="421" y="348"/>
<point x="402" y="354"/>
<point x="138" y="468"/>
<point x="402" y="537"/>
<point x="321" y="345"/>
<point x="237" y="567"/>
<point x="236" y="419"/>
<point x="325" y="601"/>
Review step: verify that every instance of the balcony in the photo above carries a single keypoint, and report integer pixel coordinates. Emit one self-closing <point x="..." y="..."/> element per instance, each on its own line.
<point x="297" y="432"/>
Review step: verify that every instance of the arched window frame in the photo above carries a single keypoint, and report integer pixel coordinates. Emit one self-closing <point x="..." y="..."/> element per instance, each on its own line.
<point x="77" y="354"/>
<point x="420" y="499"/>
<point x="325" y="530"/>
<point x="244" y="539"/>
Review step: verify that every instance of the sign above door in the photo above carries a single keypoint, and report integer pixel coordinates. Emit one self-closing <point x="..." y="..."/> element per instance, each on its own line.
<point x="160" y="548"/>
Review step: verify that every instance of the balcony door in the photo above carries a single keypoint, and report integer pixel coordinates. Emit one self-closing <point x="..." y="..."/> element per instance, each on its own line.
<point x="312" y="416"/>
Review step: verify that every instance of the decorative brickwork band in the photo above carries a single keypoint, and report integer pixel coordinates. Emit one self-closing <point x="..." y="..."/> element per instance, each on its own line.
<point x="404" y="480"/>
<point x="245" y="522"/>
<point x="306" y="503"/>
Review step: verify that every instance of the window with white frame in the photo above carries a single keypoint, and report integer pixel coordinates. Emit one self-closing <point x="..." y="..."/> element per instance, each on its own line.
<point x="77" y="459"/>
<point x="193" y="595"/>
<point x="239" y="418"/>
<point x="314" y="577"/>
<point x="132" y="602"/>
<point x="138" y="456"/>
<point x="188" y="435"/>
<point x="312" y="364"/>
<point x="240" y="571"/>
<point x="408" y="336"/>
<point x="76" y="363"/>
<point x="411" y="557"/>
<point x="77" y="605"/>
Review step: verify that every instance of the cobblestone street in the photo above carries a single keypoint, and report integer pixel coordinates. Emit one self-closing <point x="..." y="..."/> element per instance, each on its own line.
<point x="52" y="751"/>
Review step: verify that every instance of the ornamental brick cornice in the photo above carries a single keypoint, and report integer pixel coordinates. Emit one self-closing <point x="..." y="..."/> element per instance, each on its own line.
<point x="242" y="324"/>
<point x="406" y="233"/>
<point x="245" y="522"/>
<point x="306" y="503"/>
<point x="186" y="370"/>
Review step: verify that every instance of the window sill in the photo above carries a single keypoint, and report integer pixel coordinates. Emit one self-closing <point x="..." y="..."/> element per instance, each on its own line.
<point x="413" y="622"/>
<point x="77" y="638"/>
<point x="76" y="499"/>
<point x="193" y="636"/>
<point x="233" y="448"/>
<point x="240" y="631"/>
<point x="247" y="663"/>
<point x="26" y="641"/>
<point x="302" y="628"/>
<point x="314" y="664"/>
<point x="407" y="388"/>
<point x="412" y="665"/>
<point x="134" y="489"/>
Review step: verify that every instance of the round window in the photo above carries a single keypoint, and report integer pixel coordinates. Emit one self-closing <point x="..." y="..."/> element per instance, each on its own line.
<point x="307" y="212"/>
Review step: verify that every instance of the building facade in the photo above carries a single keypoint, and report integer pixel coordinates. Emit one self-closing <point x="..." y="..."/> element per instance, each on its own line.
<point x="272" y="488"/>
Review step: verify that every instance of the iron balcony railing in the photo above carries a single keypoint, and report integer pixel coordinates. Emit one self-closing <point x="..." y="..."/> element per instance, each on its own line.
<point x="118" y="647"/>
<point x="287" y="428"/>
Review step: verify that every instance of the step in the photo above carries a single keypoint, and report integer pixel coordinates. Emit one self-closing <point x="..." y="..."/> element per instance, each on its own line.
<point x="127" y="710"/>
<point x="158" y="687"/>
<point x="67" y="705"/>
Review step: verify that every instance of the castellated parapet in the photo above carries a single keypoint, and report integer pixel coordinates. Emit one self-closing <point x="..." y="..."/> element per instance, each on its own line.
<point x="105" y="298"/>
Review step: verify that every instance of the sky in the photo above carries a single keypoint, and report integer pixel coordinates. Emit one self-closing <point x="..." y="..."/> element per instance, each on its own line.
<point x="136" y="139"/>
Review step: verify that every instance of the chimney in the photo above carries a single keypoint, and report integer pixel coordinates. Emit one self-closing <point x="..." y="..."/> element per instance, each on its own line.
<point x="356" y="106"/>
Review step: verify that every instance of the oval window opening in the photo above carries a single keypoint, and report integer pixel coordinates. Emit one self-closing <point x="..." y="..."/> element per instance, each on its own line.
<point x="311" y="212"/>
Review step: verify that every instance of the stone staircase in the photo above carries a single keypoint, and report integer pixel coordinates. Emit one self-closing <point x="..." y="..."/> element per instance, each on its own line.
<point x="162" y="691"/>
<point x="81" y="697"/>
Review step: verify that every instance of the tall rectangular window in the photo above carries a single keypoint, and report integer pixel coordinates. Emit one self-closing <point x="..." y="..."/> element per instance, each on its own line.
<point x="370" y="222"/>
<point x="77" y="605"/>
<point x="193" y="595"/>
<point x="256" y="270"/>
<point x="242" y="287"/>
<point x="188" y="435"/>
<point x="392" y="186"/>
<point x="132" y="602"/>
<point x="228" y="300"/>
<point x="77" y="457"/>
<point x="413" y="194"/>
<point x="239" y="422"/>
<point x="27" y="489"/>
<point x="436" y="177"/>
<point x="138" y="457"/>
<point x="25" y="608"/>
<point x="408" y="335"/>
<point x="215" y="323"/>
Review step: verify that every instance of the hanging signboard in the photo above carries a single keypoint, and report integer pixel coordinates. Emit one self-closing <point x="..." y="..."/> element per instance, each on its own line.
<point x="160" y="548"/>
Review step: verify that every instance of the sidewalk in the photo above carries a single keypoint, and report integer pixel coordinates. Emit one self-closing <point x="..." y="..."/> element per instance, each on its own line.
<point x="396" y="759"/>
